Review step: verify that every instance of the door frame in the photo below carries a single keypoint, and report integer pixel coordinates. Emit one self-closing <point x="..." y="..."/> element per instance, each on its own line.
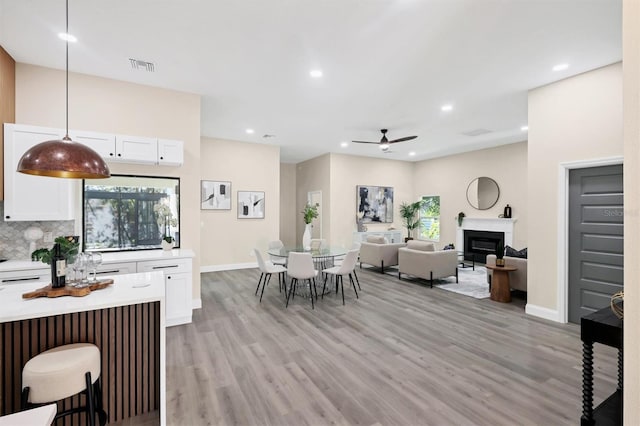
<point x="563" y="226"/>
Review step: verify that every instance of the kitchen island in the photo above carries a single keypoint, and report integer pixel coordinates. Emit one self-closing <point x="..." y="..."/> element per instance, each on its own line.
<point x="127" y="323"/>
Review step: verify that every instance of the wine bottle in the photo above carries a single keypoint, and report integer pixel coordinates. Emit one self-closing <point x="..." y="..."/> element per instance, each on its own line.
<point x="58" y="267"/>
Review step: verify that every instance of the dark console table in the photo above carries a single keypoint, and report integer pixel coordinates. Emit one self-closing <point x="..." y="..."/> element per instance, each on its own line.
<point x="605" y="328"/>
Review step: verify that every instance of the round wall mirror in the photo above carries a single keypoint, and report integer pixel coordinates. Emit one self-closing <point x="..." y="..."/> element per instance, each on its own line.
<point x="483" y="193"/>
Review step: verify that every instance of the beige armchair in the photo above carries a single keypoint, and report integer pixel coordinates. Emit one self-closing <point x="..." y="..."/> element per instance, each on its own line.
<point x="517" y="278"/>
<point x="377" y="252"/>
<point x="421" y="259"/>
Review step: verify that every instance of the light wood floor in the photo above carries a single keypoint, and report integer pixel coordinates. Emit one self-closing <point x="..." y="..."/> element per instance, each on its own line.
<point x="403" y="354"/>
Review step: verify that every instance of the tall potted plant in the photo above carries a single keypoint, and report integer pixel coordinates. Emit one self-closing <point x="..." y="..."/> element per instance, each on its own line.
<point x="309" y="213"/>
<point x="410" y="217"/>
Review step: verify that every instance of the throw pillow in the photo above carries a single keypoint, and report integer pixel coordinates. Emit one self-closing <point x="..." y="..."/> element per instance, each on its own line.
<point x="511" y="252"/>
<point x="378" y="239"/>
<point x="420" y="245"/>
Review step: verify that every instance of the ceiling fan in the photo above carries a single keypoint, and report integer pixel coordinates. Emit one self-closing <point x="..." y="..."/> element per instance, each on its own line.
<point x="385" y="143"/>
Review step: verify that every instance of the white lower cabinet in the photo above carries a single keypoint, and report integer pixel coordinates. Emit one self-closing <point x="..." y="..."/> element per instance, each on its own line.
<point x="25" y="276"/>
<point x="177" y="280"/>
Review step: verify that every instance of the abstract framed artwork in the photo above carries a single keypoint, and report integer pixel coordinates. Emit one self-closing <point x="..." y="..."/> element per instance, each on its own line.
<point x="215" y="195"/>
<point x="374" y="204"/>
<point x="251" y="204"/>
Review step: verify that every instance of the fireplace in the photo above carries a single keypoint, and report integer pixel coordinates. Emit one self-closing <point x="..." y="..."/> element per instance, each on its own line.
<point x="478" y="244"/>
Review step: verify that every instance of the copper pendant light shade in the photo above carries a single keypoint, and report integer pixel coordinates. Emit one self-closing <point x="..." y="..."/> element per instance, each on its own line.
<point x="64" y="158"/>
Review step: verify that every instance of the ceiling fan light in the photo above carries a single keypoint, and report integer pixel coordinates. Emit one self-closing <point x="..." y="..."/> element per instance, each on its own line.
<point x="63" y="159"/>
<point x="384" y="146"/>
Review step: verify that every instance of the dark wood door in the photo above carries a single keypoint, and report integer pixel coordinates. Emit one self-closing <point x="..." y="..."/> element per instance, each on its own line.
<point x="596" y="238"/>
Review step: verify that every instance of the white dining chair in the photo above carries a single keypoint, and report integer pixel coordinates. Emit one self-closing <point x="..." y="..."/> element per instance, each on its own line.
<point x="347" y="268"/>
<point x="266" y="270"/>
<point x="300" y="267"/>
<point x="277" y="260"/>
<point x="338" y="262"/>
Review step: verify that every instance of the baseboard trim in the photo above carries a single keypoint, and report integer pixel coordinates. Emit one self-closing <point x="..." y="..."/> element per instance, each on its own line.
<point x="542" y="312"/>
<point x="196" y="303"/>
<point x="229" y="267"/>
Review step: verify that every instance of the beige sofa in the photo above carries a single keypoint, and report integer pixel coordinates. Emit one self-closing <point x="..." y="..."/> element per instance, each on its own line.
<point x="377" y="252"/>
<point x="518" y="278"/>
<point x="421" y="259"/>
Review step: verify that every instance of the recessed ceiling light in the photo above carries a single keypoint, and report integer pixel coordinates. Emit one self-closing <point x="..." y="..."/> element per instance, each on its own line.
<point x="447" y="107"/>
<point x="560" y="67"/>
<point x="344" y="144"/>
<point x="412" y="154"/>
<point x="250" y="131"/>
<point x="315" y="73"/>
<point x="524" y="128"/>
<point x="67" y="37"/>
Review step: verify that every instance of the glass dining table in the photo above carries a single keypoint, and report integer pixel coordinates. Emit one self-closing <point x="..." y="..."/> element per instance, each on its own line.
<point x="323" y="258"/>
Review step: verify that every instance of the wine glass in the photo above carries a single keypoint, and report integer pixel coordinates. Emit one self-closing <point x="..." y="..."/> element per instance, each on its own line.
<point x="82" y="264"/>
<point x="96" y="260"/>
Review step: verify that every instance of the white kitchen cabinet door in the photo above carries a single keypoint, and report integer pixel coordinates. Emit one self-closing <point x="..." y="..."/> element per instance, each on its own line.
<point x="178" y="277"/>
<point x="102" y="143"/>
<point x="136" y="149"/>
<point x="170" y="152"/>
<point x="28" y="197"/>
<point x="178" y="298"/>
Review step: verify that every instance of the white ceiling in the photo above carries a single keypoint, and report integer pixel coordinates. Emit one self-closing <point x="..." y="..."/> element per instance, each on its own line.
<point x="386" y="63"/>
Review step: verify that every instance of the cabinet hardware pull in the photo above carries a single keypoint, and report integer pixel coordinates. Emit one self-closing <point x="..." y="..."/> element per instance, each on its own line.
<point x="12" y="280"/>
<point x="115" y="271"/>
<point x="165" y="267"/>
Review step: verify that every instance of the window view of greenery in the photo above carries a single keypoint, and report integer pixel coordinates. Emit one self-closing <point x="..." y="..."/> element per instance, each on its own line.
<point x="130" y="212"/>
<point x="430" y="218"/>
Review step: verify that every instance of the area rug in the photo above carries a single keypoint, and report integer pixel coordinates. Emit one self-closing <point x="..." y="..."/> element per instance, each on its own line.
<point x="470" y="283"/>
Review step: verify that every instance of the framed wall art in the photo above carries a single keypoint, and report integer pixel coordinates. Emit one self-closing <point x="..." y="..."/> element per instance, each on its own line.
<point x="374" y="204"/>
<point x="215" y="195"/>
<point x="251" y="204"/>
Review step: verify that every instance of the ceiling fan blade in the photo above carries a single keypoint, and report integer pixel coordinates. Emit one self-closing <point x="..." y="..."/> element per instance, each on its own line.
<point x="376" y="143"/>
<point x="406" y="138"/>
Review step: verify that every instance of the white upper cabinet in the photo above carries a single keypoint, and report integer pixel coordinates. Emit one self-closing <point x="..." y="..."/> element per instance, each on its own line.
<point x="170" y="152"/>
<point x="102" y="143"/>
<point x="27" y="197"/>
<point x="136" y="149"/>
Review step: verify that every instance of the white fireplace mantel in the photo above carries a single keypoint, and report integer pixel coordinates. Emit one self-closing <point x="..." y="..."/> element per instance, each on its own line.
<point x="486" y="224"/>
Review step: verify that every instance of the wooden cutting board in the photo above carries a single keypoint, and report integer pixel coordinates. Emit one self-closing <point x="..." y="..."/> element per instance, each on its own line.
<point x="48" y="291"/>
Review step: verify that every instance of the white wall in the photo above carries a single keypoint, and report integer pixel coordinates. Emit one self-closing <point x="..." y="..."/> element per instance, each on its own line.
<point x="105" y="105"/>
<point x="227" y="241"/>
<point x="288" y="212"/>
<point x="349" y="171"/>
<point x="449" y="177"/>
<point x="579" y="118"/>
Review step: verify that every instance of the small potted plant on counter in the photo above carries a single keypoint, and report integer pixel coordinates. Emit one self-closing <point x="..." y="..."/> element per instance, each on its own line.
<point x="68" y="249"/>
<point x="165" y="221"/>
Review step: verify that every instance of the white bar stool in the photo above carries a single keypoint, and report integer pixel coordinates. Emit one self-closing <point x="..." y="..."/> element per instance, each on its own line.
<point x="62" y="372"/>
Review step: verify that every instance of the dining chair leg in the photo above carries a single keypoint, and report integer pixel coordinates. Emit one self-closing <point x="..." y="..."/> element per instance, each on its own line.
<point x="311" y="294"/>
<point x="357" y="280"/>
<point x="342" y="287"/>
<point x="315" y="289"/>
<point x="265" y="282"/>
<point x="324" y="285"/>
<point x="290" y="291"/>
<point x="259" y="280"/>
<point x="294" y="284"/>
<point x="279" y="283"/>
<point x="284" y="282"/>
<point x="354" y="285"/>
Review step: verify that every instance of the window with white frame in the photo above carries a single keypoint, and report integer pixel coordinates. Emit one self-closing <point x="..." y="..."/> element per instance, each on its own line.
<point x="430" y="218"/>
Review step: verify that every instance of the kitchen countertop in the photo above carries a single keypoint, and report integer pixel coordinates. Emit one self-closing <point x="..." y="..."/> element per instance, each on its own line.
<point x="127" y="289"/>
<point x="115" y="257"/>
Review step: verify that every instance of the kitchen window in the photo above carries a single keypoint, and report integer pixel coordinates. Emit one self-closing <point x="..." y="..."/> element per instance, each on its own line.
<point x="430" y="218"/>
<point x="122" y="212"/>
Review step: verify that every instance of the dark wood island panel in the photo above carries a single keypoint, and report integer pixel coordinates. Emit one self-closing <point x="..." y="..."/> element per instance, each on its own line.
<point x="129" y="342"/>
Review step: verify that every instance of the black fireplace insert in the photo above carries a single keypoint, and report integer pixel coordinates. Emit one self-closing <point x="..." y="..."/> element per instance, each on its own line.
<point x="479" y="244"/>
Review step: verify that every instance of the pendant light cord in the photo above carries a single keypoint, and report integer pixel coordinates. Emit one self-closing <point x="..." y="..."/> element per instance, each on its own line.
<point x="67" y="73"/>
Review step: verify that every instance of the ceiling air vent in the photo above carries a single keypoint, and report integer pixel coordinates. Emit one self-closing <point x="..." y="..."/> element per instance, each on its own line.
<point x="267" y="136"/>
<point x="138" y="64"/>
<point x="476" y="132"/>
